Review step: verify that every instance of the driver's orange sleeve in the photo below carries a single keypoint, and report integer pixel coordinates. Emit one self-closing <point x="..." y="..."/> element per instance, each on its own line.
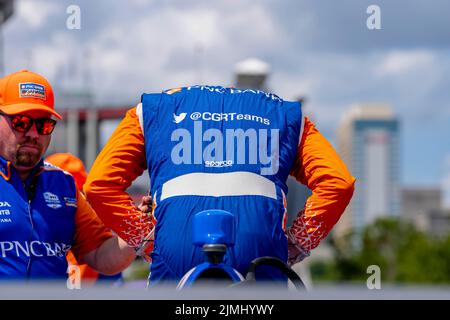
<point x="319" y="167"/>
<point x="120" y="162"/>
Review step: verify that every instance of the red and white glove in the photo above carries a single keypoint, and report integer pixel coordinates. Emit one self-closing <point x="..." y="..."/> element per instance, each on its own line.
<point x="146" y="246"/>
<point x="139" y="230"/>
<point x="296" y="252"/>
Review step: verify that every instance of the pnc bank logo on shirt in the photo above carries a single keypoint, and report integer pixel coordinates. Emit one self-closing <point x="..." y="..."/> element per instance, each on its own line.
<point x="33" y="249"/>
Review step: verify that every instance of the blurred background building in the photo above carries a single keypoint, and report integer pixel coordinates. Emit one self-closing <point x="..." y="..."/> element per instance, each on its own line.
<point x="369" y="144"/>
<point x="252" y="73"/>
<point x="423" y="207"/>
<point x="418" y="202"/>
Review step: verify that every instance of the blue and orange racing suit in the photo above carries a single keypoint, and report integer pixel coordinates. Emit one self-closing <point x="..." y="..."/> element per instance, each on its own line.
<point x="219" y="148"/>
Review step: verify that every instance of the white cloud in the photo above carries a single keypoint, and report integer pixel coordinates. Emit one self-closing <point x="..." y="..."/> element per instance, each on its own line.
<point x="198" y="26"/>
<point x="36" y="12"/>
<point x="400" y="62"/>
<point x="176" y="46"/>
<point x="141" y="51"/>
<point x="141" y="2"/>
<point x="168" y="46"/>
<point x="48" y="60"/>
<point x="255" y="25"/>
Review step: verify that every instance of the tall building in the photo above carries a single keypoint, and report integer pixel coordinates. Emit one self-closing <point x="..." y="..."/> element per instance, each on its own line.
<point x="369" y="144"/>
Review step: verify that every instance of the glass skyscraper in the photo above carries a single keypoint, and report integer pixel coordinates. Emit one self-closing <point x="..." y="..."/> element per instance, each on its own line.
<point x="369" y="144"/>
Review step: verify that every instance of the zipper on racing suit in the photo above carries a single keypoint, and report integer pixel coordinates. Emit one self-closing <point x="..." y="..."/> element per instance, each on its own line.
<point x="31" y="237"/>
<point x="31" y="192"/>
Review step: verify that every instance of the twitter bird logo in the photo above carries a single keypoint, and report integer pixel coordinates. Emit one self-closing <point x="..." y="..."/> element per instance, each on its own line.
<point x="178" y="119"/>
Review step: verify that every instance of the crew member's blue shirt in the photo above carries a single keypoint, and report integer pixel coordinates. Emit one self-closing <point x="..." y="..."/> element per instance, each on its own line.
<point x="37" y="222"/>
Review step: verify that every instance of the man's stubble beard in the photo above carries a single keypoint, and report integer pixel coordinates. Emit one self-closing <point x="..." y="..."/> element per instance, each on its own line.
<point x="26" y="158"/>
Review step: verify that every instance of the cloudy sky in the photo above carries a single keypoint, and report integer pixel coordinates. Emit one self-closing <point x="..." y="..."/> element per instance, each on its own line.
<point x="319" y="49"/>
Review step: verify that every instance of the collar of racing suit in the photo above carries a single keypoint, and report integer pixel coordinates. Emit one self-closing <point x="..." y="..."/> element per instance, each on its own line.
<point x="6" y="168"/>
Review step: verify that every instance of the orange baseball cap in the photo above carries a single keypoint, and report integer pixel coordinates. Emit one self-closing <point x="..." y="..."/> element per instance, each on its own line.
<point x="26" y="91"/>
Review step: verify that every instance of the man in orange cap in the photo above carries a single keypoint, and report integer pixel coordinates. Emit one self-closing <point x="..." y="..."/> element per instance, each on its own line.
<point x="43" y="215"/>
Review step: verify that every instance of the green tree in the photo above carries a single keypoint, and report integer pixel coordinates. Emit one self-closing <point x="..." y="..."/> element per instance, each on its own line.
<point x="403" y="253"/>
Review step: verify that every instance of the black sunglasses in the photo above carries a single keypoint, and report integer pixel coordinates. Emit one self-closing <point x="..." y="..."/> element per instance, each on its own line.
<point x="22" y="123"/>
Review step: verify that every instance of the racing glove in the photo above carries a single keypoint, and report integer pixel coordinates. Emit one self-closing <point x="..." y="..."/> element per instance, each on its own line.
<point x="296" y="252"/>
<point x="142" y="242"/>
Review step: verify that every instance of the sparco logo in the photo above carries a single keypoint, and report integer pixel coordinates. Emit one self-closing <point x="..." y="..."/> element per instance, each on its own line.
<point x="33" y="248"/>
<point x="218" y="164"/>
